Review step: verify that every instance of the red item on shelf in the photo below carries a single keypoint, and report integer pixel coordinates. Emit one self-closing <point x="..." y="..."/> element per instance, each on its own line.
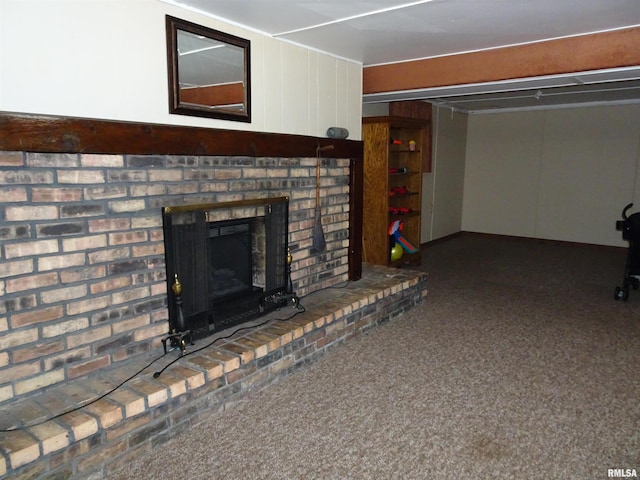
<point x="400" y="210"/>
<point x="398" y="191"/>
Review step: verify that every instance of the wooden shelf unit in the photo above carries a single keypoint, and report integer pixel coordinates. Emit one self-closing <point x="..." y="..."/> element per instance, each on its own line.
<point x="393" y="160"/>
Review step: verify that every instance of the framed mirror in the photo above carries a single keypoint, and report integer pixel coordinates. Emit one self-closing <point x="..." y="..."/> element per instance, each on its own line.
<point x="209" y="72"/>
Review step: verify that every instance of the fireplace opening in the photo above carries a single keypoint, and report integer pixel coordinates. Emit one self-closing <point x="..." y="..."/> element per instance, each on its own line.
<point x="230" y="261"/>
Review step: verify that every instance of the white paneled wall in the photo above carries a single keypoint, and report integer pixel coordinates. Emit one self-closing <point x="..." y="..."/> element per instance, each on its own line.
<point x="449" y="139"/>
<point x="107" y="59"/>
<point x="561" y="174"/>
<point x="502" y="173"/>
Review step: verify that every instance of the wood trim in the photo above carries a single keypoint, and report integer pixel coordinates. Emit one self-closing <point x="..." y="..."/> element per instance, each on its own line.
<point x="410" y="108"/>
<point x="50" y="134"/>
<point x="582" y="53"/>
<point x="402" y="122"/>
<point x="546" y="241"/>
<point x="513" y="238"/>
<point x="356" y="184"/>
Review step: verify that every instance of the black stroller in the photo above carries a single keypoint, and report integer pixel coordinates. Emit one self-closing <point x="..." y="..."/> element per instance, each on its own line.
<point x="630" y="227"/>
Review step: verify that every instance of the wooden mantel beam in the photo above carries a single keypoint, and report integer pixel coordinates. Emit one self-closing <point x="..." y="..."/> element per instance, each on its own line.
<point x="613" y="49"/>
<point x="54" y="134"/>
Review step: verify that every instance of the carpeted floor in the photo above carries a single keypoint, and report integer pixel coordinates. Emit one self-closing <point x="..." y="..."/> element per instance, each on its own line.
<point x="519" y="364"/>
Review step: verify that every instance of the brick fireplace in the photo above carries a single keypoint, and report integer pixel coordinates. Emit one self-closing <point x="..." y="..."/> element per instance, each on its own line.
<point x="83" y="267"/>
<point x="84" y="290"/>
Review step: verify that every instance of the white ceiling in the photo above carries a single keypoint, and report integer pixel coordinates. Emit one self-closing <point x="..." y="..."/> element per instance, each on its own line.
<point x="376" y="32"/>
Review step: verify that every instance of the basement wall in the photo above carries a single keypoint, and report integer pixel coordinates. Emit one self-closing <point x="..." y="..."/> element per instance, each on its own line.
<point x="559" y="174"/>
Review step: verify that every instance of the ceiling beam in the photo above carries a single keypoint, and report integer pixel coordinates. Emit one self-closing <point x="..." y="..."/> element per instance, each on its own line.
<point x="613" y="49"/>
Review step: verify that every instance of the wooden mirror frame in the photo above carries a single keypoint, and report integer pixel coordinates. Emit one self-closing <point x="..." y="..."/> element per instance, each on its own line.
<point x="178" y="105"/>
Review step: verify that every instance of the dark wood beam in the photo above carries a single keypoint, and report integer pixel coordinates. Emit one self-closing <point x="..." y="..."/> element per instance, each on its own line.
<point x="42" y="133"/>
<point x="619" y="48"/>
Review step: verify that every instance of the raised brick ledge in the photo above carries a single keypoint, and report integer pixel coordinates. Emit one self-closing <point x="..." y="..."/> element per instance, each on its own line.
<point x="103" y="436"/>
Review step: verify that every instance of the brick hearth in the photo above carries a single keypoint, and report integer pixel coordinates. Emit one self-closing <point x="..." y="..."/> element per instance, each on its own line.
<point x="105" y="435"/>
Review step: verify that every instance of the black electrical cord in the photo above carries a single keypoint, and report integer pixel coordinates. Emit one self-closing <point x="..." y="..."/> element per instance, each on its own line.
<point x="75" y="409"/>
<point x="300" y="309"/>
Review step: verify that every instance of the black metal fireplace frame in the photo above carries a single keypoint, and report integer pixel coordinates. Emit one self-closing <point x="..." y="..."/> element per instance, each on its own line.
<point x="205" y="319"/>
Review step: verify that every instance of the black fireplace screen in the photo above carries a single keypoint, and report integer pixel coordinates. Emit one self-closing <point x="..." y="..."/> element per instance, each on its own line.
<point x="230" y="259"/>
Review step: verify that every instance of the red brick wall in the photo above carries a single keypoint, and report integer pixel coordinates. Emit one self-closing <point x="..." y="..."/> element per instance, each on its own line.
<point x="82" y="277"/>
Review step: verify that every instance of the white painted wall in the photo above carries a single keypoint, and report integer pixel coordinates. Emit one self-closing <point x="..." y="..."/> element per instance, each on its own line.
<point x="561" y="174"/>
<point x="107" y="59"/>
<point x="443" y="195"/>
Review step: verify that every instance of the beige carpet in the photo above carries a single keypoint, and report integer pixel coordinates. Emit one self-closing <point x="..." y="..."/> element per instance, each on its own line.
<point x="520" y="364"/>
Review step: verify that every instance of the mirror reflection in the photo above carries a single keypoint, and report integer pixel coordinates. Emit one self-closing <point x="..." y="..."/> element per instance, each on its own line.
<point x="208" y="72"/>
